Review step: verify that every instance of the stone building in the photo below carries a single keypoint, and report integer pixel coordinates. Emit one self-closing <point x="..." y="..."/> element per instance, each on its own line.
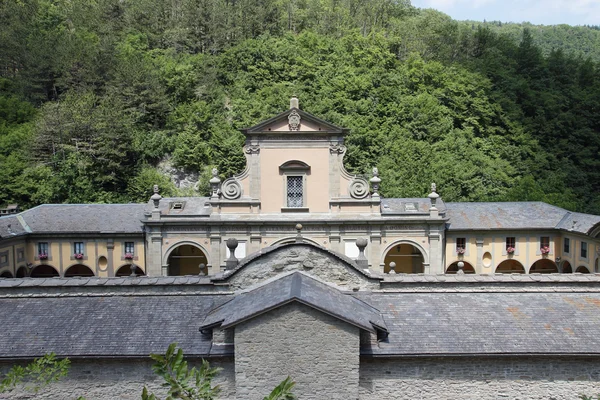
<point x="296" y="267"/>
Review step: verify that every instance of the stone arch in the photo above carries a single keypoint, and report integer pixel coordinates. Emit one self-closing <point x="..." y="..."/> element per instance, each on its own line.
<point x="125" y="270"/>
<point x="21" y="272"/>
<point x="453" y="268"/>
<point x="566" y="267"/>
<point x="6" y="274"/>
<point x="594" y="231"/>
<point x="44" y="271"/>
<point x="400" y="252"/>
<point x="292" y="239"/>
<point x="167" y="253"/>
<point x="510" y="266"/>
<point x="184" y="258"/>
<point x="78" y="270"/>
<point x="543" y="266"/>
<point x="582" y="270"/>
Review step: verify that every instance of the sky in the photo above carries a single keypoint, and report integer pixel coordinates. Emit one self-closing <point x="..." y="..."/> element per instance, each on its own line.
<point x="539" y="12"/>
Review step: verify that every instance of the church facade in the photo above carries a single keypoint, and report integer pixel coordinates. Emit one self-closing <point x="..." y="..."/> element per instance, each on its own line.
<point x="297" y="267"/>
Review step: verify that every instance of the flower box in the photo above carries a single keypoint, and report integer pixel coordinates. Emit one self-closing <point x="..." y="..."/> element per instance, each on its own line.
<point x="510" y="250"/>
<point x="460" y="250"/>
<point x="43" y="256"/>
<point x="545" y="250"/>
<point x="128" y="256"/>
<point x="78" y="256"/>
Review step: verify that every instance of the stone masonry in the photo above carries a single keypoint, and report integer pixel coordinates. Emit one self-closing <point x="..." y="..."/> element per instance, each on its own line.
<point x="490" y="378"/>
<point x="320" y="352"/>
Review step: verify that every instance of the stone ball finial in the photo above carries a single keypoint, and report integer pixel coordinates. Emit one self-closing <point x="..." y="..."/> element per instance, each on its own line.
<point x="361" y="243"/>
<point x="392" y="268"/>
<point x="460" y="266"/>
<point x="232" y="244"/>
<point x="299" y="227"/>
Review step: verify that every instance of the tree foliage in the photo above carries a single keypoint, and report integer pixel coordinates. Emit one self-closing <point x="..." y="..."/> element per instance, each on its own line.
<point x="35" y="375"/>
<point x="486" y="113"/>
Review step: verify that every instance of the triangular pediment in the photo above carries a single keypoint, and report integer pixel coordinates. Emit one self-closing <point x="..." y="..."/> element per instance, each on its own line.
<point x="295" y="287"/>
<point x="293" y="121"/>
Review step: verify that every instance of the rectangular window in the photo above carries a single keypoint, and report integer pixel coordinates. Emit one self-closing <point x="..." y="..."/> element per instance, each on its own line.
<point x="4" y="259"/>
<point x="583" y="250"/>
<point x="294" y="191"/>
<point x="461" y="245"/>
<point x="129" y="248"/>
<point x="566" y="245"/>
<point x="510" y="243"/>
<point x="78" y="248"/>
<point x="43" y="248"/>
<point x="545" y="241"/>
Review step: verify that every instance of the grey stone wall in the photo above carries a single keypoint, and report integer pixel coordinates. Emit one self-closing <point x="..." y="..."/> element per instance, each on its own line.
<point x="303" y="258"/>
<point x="479" y="378"/>
<point x="115" y="380"/>
<point x="320" y="352"/>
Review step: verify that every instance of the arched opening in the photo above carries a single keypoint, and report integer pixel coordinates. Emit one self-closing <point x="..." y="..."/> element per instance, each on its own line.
<point x="44" y="271"/>
<point x="582" y="270"/>
<point x="408" y="259"/>
<point x="510" y="267"/>
<point x="22" y="272"/>
<point x="186" y="260"/>
<point x="467" y="268"/>
<point x="543" y="266"/>
<point x="125" y="270"/>
<point x="566" y="268"/>
<point x="6" y="274"/>
<point x="78" y="270"/>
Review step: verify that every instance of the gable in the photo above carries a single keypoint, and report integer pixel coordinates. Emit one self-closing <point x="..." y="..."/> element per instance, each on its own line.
<point x="321" y="263"/>
<point x="292" y="121"/>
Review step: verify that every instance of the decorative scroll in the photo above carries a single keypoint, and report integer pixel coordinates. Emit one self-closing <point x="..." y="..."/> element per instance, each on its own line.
<point x="359" y="188"/>
<point x="336" y="148"/>
<point x="252" y="149"/>
<point x="294" y="120"/>
<point x="231" y="189"/>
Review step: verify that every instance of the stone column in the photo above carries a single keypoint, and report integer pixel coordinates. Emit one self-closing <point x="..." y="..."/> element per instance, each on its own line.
<point x="216" y="261"/>
<point x="154" y="266"/>
<point x="479" y="264"/>
<point x="110" y="248"/>
<point x="375" y="249"/>
<point x="435" y="254"/>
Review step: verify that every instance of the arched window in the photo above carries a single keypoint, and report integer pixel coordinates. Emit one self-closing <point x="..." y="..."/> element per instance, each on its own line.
<point x="407" y="259"/>
<point x="187" y="260"/>
<point x="44" y="271"/>
<point x="510" y="267"/>
<point x="6" y="274"/>
<point x="467" y="268"/>
<point x="582" y="270"/>
<point x="78" y="270"/>
<point x="125" y="270"/>
<point x="543" y="266"/>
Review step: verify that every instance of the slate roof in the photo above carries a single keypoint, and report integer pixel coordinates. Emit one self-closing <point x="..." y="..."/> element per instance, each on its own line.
<point x="444" y="324"/>
<point x="10" y="226"/>
<point x="579" y="222"/>
<point x="503" y="215"/>
<point x="85" y="218"/>
<point x="300" y="287"/>
<point x="124" y="326"/>
<point x="192" y="206"/>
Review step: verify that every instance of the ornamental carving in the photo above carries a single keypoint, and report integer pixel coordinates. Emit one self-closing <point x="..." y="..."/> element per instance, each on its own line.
<point x="231" y="189"/>
<point x="252" y="149"/>
<point x="359" y="188"/>
<point x="336" y="148"/>
<point x="294" y="120"/>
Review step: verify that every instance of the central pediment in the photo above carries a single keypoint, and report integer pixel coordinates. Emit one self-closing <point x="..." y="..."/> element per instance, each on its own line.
<point x="294" y="121"/>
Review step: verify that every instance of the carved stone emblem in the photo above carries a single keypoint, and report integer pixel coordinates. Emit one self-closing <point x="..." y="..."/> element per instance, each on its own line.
<point x="231" y="189"/>
<point x="294" y="120"/>
<point x="359" y="188"/>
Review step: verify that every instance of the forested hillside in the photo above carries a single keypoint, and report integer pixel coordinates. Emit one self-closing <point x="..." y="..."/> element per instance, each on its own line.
<point x="94" y="94"/>
<point x="581" y="41"/>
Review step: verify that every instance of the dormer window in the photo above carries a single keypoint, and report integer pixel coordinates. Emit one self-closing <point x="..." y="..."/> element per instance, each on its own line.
<point x="178" y="205"/>
<point x="294" y="174"/>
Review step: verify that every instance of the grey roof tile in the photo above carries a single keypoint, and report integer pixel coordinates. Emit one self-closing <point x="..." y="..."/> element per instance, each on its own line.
<point x="409" y="206"/>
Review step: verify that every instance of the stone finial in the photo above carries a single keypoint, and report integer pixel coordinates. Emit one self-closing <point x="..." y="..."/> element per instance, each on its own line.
<point x="299" y="233"/>
<point x="203" y="269"/>
<point x="362" y="261"/>
<point x="392" y="268"/>
<point x="433" y="196"/>
<point x="232" y="261"/>
<point x="294" y="103"/>
<point x="460" y="266"/>
<point x="215" y="184"/>
<point x="375" y="181"/>
<point x="156" y="197"/>
<point x="132" y="267"/>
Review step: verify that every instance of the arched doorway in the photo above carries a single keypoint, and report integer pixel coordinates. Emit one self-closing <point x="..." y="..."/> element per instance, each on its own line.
<point x="125" y="270"/>
<point x="582" y="270"/>
<point x="78" y="270"/>
<point x="186" y="260"/>
<point x="543" y="266"/>
<point x="467" y="269"/>
<point x="408" y="259"/>
<point x="566" y="268"/>
<point x="510" y="267"/>
<point x="44" y="271"/>
<point x="6" y="274"/>
<point x="21" y="272"/>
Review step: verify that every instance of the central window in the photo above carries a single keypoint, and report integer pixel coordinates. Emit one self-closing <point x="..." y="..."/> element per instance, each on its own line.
<point x="295" y="191"/>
